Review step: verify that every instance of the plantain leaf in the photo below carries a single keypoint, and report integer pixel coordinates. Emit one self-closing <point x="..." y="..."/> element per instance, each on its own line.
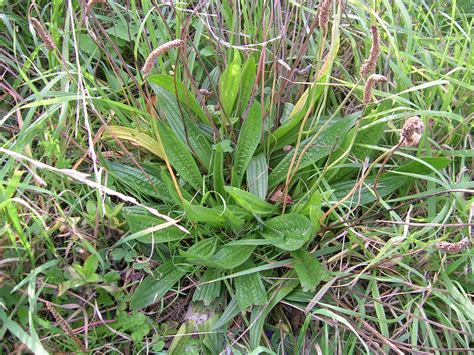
<point x="249" y="73"/>
<point x="387" y="184"/>
<point x="137" y="180"/>
<point x="257" y="176"/>
<point x="157" y="284"/>
<point x="195" y="213"/>
<point x="218" y="169"/>
<point x="248" y="141"/>
<point x="366" y="136"/>
<point x="203" y="249"/>
<point x="228" y="257"/>
<point x="139" y="220"/>
<point x="135" y="137"/>
<point x="250" y="202"/>
<point x="417" y="166"/>
<point x="182" y="126"/>
<point x="179" y="156"/>
<point x="295" y="229"/>
<point x="177" y="88"/>
<point x="249" y="289"/>
<point x="309" y="270"/>
<point x="326" y="141"/>
<point x="208" y="291"/>
<point x="229" y="84"/>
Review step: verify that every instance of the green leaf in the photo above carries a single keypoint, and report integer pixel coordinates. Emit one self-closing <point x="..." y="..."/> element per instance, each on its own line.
<point x="249" y="289"/>
<point x="294" y="228"/>
<point x="312" y="208"/>
<point x="187" y="99"/>
<point x="260" y="313"/>
<point x="182" y="126"/>
<point x="228" y="257"/>
<point x="179" y="156"/>
<point x="249" y="138"/>
<point x="249" y="73"/>
<point x="139" y="220"/>
<point x="157" y="284"/>
<point x="31" y="342"/>
<point x="385" y="186"/>
<point x="417" y="167"/>
<point x="203" y="249"/>
<point x="230" y="312"/>
<point x="137" y="180"/>
<point x="327" y="140"/>
<point x="218" y="168"/>
<point x="229" y="84"/>
<point x="309" y="270"/>
<point x="250" y="202"/>
<point x="257" y="176"/>
<point x="136" y="137"/>
<point x="183" y="343"/>
<point x="90" y="265"/>
<point x="208" y="291"/>
<point x="211" y="216"/>
<point x="368" y="136"/>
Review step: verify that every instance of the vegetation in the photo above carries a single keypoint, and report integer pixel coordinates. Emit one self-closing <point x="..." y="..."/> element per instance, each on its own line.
<point x="236" y="177"/>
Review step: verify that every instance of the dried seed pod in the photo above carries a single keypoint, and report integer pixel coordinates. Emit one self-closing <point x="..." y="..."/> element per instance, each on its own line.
<point x="411" y="132"/>
<point x="324" y="10"/>
<point x="287" y="148"/>
<point x="150" y="61"/>
<point x="448" y="247"/>
<point x="279" y="197"/>
<point x="371" y="62"/>
<point x="43" y="34"/>
<point x="205" y="92"/>
<point x="373" y="79"/>
<point x="65" y="326"/>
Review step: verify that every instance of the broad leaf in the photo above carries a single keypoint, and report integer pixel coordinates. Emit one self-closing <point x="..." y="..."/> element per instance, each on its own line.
<point x="250" y="202"/>
<point x="157" y="284"/>
<point x="249" y="289"/>
<point x="229" y="84"/>
<point x="295" y="229"/>
<point x="208" y="291"/>
<point x="211" y="216"/>
<point x="309" y="270"/>
<point x="249" y="138"/>
<point x="314" y="149"/>
<point x="257" y="176"/>
<point x="135" y="137"/>
<point x="179" y="156"/>
<point x="228" y="257"/>
<point x="177" y="88"/>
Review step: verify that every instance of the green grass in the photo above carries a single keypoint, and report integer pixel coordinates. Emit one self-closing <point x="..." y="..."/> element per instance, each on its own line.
<point x="241" y="197"/>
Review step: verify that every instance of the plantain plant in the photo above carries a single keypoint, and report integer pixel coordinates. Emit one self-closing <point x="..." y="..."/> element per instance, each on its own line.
<point x="250" y="188"/>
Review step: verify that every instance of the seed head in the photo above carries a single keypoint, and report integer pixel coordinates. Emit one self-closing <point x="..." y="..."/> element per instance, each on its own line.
<point x="412" y="131"/>
<point x="371" y="62"/>
<point x="43" y="34"/>
<point x="65" y="326"/>
<point x="150" y="61"/>
<point x="448" y="247"/>
<point x="373" y="79"/>
<point x="324" y="10"/>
